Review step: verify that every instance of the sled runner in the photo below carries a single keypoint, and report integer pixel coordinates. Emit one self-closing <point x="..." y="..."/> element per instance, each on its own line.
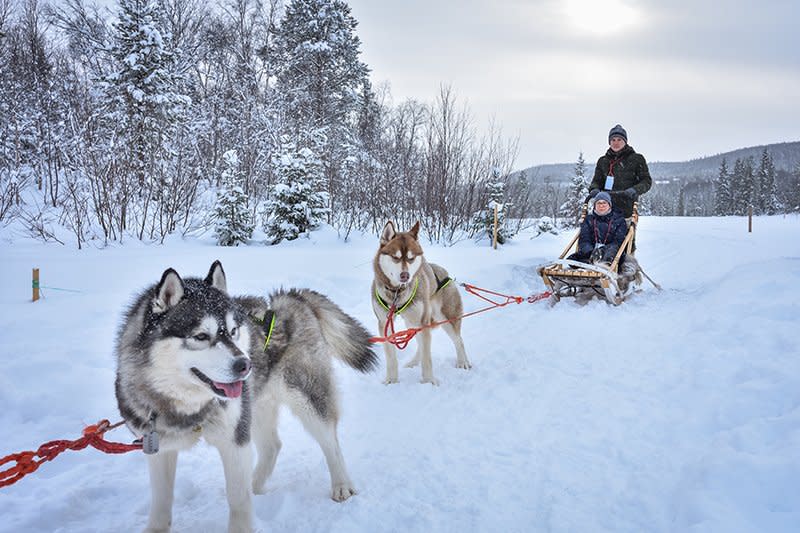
<point x="568" y="278"/>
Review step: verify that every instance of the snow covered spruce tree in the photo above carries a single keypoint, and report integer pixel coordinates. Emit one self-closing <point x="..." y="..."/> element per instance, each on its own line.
<point x="744" y="191"/>
<point x="234" y="223"/>
<point x="680" y="209"/>
<point x="767" y="192"/>
<point x="298" y="203"/>
<point x="143" y="106"/>
<point x="319" y="81"/>
<point x="723" y="195"/>
<point x="483" y="220"/>
<point x="790" y="198"/>
<point x="576" y="194"/>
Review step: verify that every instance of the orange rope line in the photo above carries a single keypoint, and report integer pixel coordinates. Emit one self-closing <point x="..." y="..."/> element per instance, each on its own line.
<point x="403" y="337"/>
<point x="26" y="462"/>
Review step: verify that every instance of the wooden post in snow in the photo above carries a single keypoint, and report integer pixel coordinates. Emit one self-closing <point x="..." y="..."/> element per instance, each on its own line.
<point x="750" y="219"/>
<point x="494" y="237"/>
<point x="35" y="284"/>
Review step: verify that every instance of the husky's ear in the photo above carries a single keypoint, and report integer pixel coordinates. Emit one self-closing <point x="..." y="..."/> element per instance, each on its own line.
<point x="168" y="292"/>
<point x="216" y="277"/>
<point x="414" y="231"/>
<point x="388" y="233"/>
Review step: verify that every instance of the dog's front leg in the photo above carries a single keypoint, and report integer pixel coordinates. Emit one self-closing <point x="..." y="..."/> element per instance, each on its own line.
<point x="425" y="352"/>
<point x="237" y="461"/>
<point x="454" y="332"/>
<point x="391" y="358"/>
<point x="162" y="483"/>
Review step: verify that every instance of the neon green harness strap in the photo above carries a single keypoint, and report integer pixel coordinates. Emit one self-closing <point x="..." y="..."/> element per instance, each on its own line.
<point x="402" y="307"/>
<point x="441" y="284"/>
<point x="269" y="333"/>
<point x="263" y="321"/>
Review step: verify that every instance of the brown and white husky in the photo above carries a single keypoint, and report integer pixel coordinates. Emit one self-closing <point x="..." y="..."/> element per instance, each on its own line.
<point x="421" y="293"/>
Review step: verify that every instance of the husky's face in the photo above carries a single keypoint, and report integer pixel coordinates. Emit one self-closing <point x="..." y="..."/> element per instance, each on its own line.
<point x="400" y="254"/>
<point x="203" y="339"/>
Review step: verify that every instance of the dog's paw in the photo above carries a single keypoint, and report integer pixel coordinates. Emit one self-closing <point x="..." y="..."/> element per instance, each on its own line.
<point x="240" y="528"/>
<point x="240" y="522"/>
<point x="432" y="380"/>
<point x="389" y="381"/>
<point x="342" y="491"/>
<point x="158" y="524"/>
<point x="466" y="365"/>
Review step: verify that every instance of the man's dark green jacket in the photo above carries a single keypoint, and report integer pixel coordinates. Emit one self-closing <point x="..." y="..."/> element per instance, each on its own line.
<point x="629" y="170"/>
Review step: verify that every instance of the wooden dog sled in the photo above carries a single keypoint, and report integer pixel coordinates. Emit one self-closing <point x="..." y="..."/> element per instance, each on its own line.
<point x="568" y="278"/>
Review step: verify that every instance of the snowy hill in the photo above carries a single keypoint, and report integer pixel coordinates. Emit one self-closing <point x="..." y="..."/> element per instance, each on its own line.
<point x="677" y="411"/>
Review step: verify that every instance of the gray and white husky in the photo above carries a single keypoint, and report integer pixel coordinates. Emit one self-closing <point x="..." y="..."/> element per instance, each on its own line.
<point x="194" y="362"/>
<point x="421" y="292"/>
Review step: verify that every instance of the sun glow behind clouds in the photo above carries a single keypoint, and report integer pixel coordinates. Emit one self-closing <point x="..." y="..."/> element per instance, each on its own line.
<point x="601" y="17"/>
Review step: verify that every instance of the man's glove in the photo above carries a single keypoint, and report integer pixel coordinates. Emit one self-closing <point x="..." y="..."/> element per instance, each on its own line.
<point x="593" y="193"/>
<point x="631" y="193"/>
<point x="597" y="254"/>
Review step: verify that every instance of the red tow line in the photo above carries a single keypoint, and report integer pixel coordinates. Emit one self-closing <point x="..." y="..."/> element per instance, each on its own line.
<point x="403" y="337"/>
<point x="26" y="462"/>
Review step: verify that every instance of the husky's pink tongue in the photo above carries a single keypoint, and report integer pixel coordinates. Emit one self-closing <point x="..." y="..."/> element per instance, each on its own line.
<point x="232" y="390"/>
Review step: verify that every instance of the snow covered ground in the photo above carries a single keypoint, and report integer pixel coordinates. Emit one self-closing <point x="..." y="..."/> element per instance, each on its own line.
<point x="677" y="411"/>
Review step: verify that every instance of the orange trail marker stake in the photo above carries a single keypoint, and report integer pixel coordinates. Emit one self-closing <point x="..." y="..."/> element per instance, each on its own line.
<point x="35" y="284"/>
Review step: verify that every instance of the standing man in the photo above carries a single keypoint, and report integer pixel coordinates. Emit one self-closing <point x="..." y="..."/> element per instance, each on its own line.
<point x="622" y="172"/>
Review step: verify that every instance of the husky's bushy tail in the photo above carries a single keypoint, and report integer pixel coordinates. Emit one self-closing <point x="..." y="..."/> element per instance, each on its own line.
<point x="348" y="339"/>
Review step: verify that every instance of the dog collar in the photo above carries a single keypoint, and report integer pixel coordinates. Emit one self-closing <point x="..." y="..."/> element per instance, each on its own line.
<point x="150" y="438"/>
<point x="402" y="307"/>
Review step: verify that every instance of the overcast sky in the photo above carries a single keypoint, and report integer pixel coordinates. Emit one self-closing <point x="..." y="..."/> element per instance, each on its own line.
<point x="685" y="78"/>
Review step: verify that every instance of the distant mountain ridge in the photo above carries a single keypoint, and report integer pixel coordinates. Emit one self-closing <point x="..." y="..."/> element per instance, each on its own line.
<point x="786" y="157"/>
